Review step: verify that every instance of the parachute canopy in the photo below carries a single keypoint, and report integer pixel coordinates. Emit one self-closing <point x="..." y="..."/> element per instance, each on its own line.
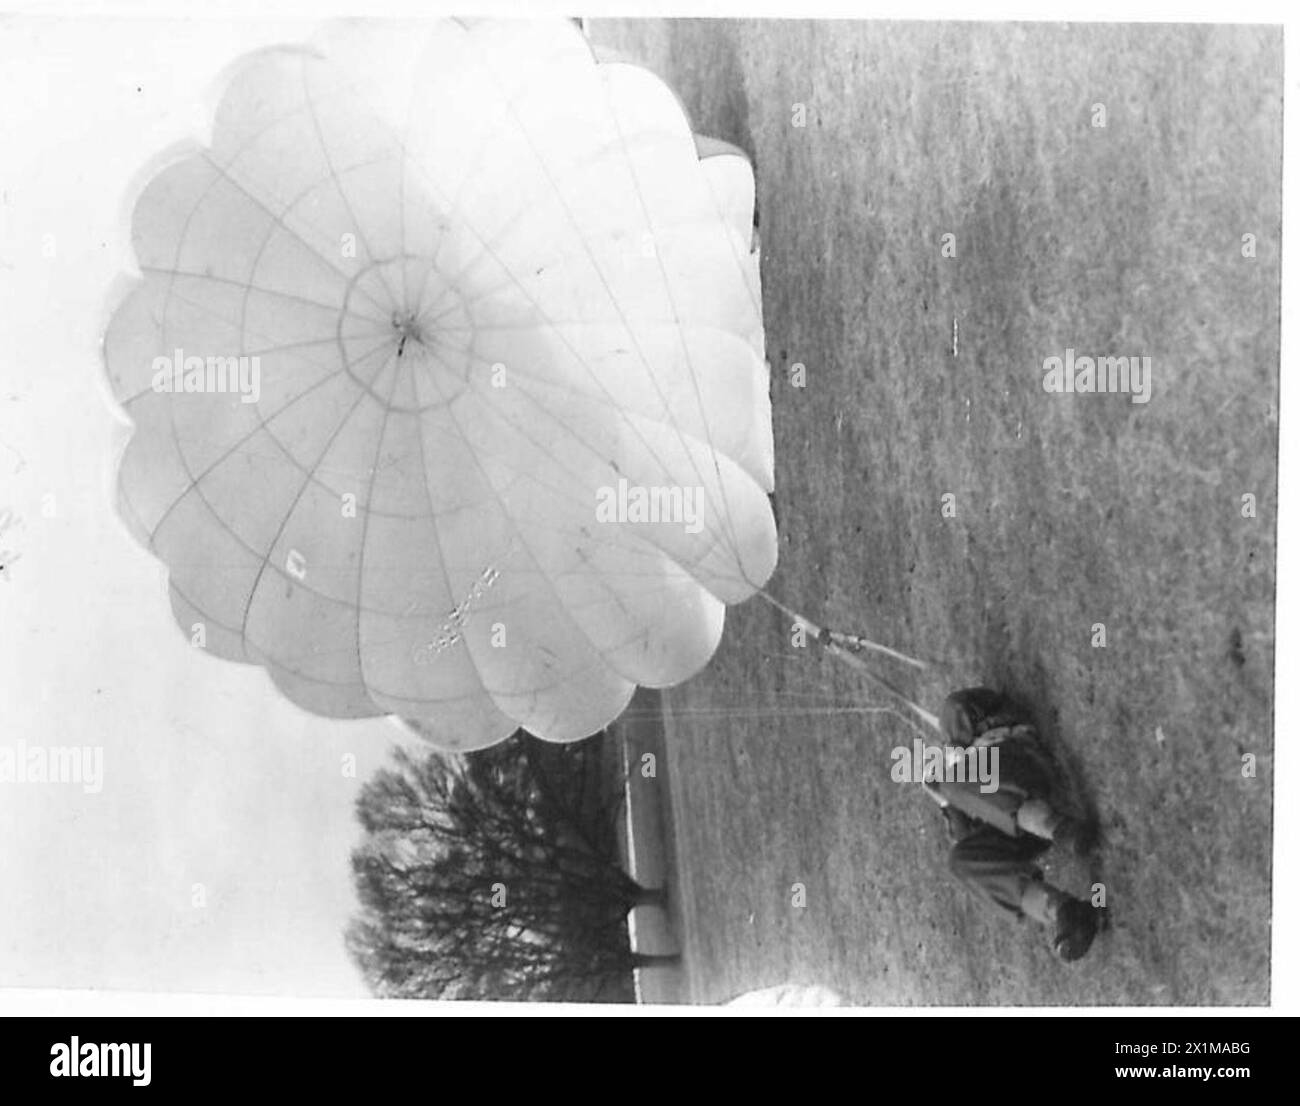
<point x="447" y="376"/>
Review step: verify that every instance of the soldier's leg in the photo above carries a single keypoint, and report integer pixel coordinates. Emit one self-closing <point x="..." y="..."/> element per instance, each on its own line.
<point x="997" y="868"/>
<point x="1021" y="778"/>
<point x="1022" y="802"/>
<point x="1002" y="872"/>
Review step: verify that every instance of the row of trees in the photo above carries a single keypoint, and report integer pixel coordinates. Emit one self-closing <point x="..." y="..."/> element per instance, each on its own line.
<point x="496" y="875"/>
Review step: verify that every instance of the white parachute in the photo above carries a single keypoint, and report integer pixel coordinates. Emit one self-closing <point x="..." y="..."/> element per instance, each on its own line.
<point x="447" y="376"/>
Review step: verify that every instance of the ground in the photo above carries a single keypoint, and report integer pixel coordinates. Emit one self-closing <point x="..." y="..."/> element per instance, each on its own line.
<point x="1070" y="510"/>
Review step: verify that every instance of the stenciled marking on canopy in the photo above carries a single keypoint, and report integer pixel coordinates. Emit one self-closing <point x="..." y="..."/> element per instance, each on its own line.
<point x="448" y="633"/>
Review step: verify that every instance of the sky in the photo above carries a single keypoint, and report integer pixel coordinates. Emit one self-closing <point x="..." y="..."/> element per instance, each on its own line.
<point x="215" y="855"/>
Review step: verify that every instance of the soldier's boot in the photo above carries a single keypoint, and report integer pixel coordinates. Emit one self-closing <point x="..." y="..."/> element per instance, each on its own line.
<point x="1073" y="922"/>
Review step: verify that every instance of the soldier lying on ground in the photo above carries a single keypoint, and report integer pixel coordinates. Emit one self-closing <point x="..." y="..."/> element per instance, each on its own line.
<point x="1000" y="835"/>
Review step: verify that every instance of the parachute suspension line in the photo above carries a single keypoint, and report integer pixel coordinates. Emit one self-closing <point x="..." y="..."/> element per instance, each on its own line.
<point x="857" y="662"/>
<point x="844" y="641"/>
<point x="846" y="647"/>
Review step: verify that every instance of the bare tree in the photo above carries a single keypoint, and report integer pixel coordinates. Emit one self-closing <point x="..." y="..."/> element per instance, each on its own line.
<point x="496" y="875"/>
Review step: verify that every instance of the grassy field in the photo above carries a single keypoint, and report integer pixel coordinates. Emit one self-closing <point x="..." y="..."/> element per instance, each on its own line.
<point x="1070" y="510"/>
